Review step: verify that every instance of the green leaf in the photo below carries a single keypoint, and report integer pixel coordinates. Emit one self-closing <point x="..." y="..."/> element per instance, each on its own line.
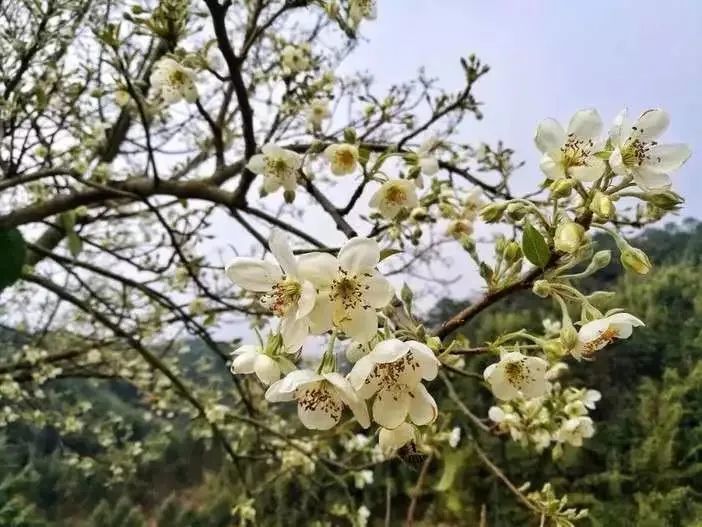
<point x="75" y="244"/>
<point x="535" y="247"/>
<point x="387" y="253"/>
<point x="14" y="252"/>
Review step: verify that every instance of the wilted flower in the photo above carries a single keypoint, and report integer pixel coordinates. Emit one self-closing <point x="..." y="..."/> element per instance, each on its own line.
<point x="595" y="335"/>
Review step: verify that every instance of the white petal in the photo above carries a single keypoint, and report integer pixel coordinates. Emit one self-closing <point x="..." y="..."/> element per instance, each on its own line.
<point x="536" y="384"/>
<point x="319" y="268"/>
<point x="308" y="297"/>
<point x="649" y="179"/>
<point x="283" y="253"/>
<point x="360" y="324"/>
<point x="552" y="168"/>
<point x="587" y="173"/>
<point x="322" y="416"/>
<point x="294" y="332"/>
<point x="616" y="162"/>
<point x="422" y="409"/>
<point x="284" y="389"/>
<point x="550" y="136"/>
<point x="585" y="124"/>
<point x="271" y="184"/>
<point x="246" y="348"/>
<point x="388" y="351"/>
<point x="244" y="362"/>
<point x="359" y="255"/>
<point x="618" y="133"/>
<point x="320" y="318"/>
<point x="359" y="374"/>
<point x="666" y="158"/>
<point x="253" y="275"/>
<point x="267" y="370"/>
<point x="350" y="398"/>
<point x="379" y="293"/>
<point x="391" y="440"/>
<point x="592" y="330"/>
<point x="429" y="165"/>
<point x="390" y="408"/>
<point x="377" y="198"/>
<point x="428" y="363"/>
<point x="496" y="414"/>
<point x="652" y="124"/>
<point x="257" y="164"/>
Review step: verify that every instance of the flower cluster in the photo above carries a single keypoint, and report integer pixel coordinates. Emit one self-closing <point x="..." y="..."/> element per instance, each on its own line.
<point x="558" y="417"/>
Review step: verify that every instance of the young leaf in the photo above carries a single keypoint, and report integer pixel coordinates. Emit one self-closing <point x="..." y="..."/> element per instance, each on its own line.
<point x="13" y="252"/>
<point x="534" y="246"/>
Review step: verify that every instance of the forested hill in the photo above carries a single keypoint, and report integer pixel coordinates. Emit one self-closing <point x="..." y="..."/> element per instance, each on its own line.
<point x="644" y="465"/>
<point x="642" y="468"/>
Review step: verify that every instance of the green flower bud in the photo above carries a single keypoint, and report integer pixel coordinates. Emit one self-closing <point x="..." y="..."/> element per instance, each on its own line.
<point x="635" y="260"/>
<point x="601" y="259"/>
<point x="602" y="206"/>
<point x="553" y="348"/>
<point x="569" y="237"/>
<point x="517" y="211"/>
<point x="664" y="199"/>
<point x="492" y="213"/>
<point x="561" y="188"/>
<point x="541" y="288"/>
<point x="569" y="337"/>
<point x="289" y="196"/>
<point x="512" y="252"/>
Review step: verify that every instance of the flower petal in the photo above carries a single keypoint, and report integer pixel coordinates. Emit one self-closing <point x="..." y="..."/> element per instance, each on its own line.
<point x="320" y="318"/>
<point x="308" y="297"/>
<point x="350" y="398"/>
<point x="360" y="324"/>
<point x="283" y="253"/>
<point x="550" y="136"/>
<point x="594" y="168"/>
<point x="649" y="179"/>
<point x="616" y="162"/>
<point x="244" y="362"/>
<point x="380" y="291"/>
<point x="319" y="268"/>
<point x="666" y="158"/>
<point x="422" y="408"/>
<point x="552" y="168"/>
<point x="359" y="375"/>
<point x="294" y="332"/>
<point x="391" y="440"/>
<point x="428" y="363"/>
<point x="267" y="370"/>
<point x="252" y="274"/>
<point x="651" y="124"/>
<point x="257" y="164"/>
<point x="321" y="416"/>
<point x="585" y="124"/>
<point x="429" y="165"/>
<point x="359" y="255"/>
<point x="388" y="351"/>
<point x="390" y="408"/>
<point x="284" y="389"/>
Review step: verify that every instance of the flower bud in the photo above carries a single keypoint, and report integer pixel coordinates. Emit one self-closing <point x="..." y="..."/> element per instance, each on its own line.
<point x="492" y="212"/>
<point x="635" y="260"/>
<point x="517" y="211"/>
<point x="664" y="199"/>
<point x="289" y="196"/>
<point x="512" y="252"/>
<point x="601" y="259"/>
<point x="569" y="237"/>
<point x="569" y="337"/>
<point x="602" y="206"/>
<point x="419" y="214"/>
<point x="541" y="288"/>
<point x="561" y="188"/>
<point x="553" y="348"/>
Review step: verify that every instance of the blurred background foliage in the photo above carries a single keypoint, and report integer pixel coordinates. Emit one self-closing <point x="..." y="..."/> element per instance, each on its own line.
<point x="643" y="467"/>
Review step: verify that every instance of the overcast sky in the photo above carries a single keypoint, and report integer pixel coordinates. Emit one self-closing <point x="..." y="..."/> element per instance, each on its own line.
<point x="550" y="59"/>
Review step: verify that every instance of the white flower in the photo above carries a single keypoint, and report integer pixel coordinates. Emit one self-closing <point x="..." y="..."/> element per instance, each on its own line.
<point x="343" y="158"/>
<point x="121" y="97"/>
<point x="574" y="430"/>
<point x="541" y="439"/>
<point x="350" y="288"/>
<point x="393" y="372"/>
<point x="362" y="516"/>
<point x="506" y="421"/>
<point x="637" y="153"/>
<point x="426" y="160"/>
<point x="394" y="196"/>
<point x="278" y="166"/>
<point x="363" y="478"/>
<point x="296" y="58"/>
<point x="454" y="437"/>
<point x="251" y="359"/>
<point x="390" y="440"/>
<point x="571" y="153"/>
<point x="517" y="374"/>
<point x="94" y="356"/>
<point x="551" y="327"/>
<point x="320" y="397"/>
<point x="173" y="82"/>
<point x="360" y="9"/>
<point x="590" y="398"/>
<point x="595" y="335"/>
<point x="317" y="111"/>
<point x="459" y="228"/>
<point x="286" y="292"/>
<point x="472" y="204"/>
